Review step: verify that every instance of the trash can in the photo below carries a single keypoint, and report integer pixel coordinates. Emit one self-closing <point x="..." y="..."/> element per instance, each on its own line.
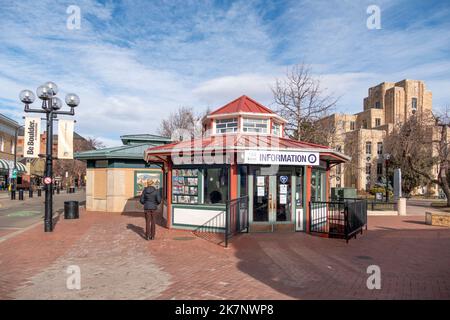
<point x="71" y="210"/>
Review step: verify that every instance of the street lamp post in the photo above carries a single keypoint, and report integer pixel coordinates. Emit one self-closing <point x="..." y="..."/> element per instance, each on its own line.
<point x="14" y="182"/>
<point x="387" y="156"/>
<point x="50" y="106"/>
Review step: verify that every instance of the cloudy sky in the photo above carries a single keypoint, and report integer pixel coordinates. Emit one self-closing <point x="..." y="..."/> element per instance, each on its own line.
<point x="133" y="62"/>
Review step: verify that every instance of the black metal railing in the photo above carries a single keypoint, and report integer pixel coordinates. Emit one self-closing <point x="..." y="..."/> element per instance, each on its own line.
<point x="213" y="230"/>
<point x="226" y="224"/>
<point x="374" y="204"/>
<point x="237" y="217"/>
<point x="340" y="219"/>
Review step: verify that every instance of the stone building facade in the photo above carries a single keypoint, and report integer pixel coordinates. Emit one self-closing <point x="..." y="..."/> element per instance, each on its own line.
<point x="362" y="135"/>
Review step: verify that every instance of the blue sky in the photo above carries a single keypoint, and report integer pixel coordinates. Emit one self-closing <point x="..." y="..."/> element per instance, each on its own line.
<point x="133" y="62"/>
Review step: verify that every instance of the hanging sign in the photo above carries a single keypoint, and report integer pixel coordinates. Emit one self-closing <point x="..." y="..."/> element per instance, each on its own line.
<point x="65" y="139"/>
<point x="283" y="188"/>
<point x="283" y="199"/>
<point x="32" y="143"/>
<point x="281" y="157"/>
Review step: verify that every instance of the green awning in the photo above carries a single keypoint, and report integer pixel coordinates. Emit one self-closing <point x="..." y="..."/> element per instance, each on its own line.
<point x="5" y="166"/>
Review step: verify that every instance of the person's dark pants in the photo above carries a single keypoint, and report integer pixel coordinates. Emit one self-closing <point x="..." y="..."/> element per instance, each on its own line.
<point x="150" y="223"/>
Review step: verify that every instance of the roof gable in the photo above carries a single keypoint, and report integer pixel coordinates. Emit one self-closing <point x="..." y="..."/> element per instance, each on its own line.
<point x="242" y="104"/>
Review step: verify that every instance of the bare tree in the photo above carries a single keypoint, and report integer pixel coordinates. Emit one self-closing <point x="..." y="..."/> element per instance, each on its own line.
<point x="421" y="144"/>
<point x="182" y="124"/>
<point x="76" y="169"/>
<point x="302" y="102"/>
<point x="92" y="143"/>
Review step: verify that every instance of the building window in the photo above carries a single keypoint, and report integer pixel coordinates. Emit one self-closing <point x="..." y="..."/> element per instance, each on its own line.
<point x="377" y="105"/>
<point x="380" y="148"/>
<point x="226" y="125"/>
<point x="216" y="185"/>
<point x="379" y="168"/>
<point x="338" y="169"/>
<point x="276" y="129"/>
<point x="338" y="148"/>
<point x="255" y="125"/>
<point x="2" y="144"/>
<point x="318" y="183"/>
<point x="364" y="124"/>
<point x="414" y="104"/>
<point x="368" y="147"/>
<point x="352" y="125"/>
<point x="368" y="169"/>
<point x="377" y="122"/>
<point x="12" y="146"/>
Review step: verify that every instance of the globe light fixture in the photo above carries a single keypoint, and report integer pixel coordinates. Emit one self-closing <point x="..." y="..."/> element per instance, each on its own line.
<point x="72" y="100"/>
<point x="27" y="96"/>
<point x="43" y="92"/>
<point x="51" y="106"/>
<point x="56" y="103"/>
<point x="52" y="88"/>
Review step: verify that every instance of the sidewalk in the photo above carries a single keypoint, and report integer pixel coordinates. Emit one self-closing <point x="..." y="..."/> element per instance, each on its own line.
<point x="117" y="263"/>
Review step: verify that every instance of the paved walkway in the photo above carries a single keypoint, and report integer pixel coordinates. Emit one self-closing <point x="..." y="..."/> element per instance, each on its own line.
<point x="116" y="262"/>
<point x="17" y="215"/>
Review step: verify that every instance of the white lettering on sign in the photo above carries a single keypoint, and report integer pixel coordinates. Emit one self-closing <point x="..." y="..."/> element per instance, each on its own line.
<point x="281" y="157"/>
<point x="32" y="141"/>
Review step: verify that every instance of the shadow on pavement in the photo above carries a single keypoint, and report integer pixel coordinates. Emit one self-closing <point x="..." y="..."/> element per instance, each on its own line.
<point x="138" y="230"/>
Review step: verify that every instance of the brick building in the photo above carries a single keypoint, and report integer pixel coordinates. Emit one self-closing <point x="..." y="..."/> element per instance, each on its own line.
<point x="362" y="135"/>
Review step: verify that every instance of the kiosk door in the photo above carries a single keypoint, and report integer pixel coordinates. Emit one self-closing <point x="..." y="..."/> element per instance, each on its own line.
<point x="272" y="198"/>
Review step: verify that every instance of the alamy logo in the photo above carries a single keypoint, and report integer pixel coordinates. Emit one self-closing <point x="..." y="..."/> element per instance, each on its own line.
<point x="74" y="19"/>
<point x="374" y="20"/>
<point x="73" y="282"/>
<point x="374" y="280"/>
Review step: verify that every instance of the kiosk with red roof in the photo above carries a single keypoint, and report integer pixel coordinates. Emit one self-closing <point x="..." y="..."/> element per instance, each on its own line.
<point x="243" y="160"/>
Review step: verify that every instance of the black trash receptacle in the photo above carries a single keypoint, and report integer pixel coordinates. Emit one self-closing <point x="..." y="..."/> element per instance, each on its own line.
<point x="71" y="210"/>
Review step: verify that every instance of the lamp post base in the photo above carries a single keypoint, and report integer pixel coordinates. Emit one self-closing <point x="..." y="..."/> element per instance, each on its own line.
<point x="48" y="227"/>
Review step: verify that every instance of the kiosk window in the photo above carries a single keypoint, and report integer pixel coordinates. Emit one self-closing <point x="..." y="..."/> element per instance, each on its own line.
<point x="185" y="186"/>
<point x="216" y="185"/>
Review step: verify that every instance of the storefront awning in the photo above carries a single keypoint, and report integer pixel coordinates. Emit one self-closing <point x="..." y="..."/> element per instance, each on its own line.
<point x="6" y="166"/>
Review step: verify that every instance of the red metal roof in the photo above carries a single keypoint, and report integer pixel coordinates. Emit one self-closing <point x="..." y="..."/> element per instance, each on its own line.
<point x="234" y="142"/>
<point x="238" y="141"/>
<point x="242" y="104"/>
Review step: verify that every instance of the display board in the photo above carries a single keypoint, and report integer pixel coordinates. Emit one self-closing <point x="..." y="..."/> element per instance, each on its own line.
<point x="185" y="184"/>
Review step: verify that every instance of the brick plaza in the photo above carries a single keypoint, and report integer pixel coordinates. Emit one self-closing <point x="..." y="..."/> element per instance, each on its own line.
<point x="117" y="263"/>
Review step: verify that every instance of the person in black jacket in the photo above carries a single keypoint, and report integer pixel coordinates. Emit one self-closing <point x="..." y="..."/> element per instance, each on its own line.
<point x="150" y="198"/>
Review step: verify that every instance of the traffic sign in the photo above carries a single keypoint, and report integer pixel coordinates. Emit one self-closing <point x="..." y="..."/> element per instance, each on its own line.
<point x="48" y="180"/>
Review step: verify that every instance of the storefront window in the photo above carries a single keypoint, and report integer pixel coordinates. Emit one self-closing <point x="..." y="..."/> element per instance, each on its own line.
<point x="185" y="186"/>
<point x="216" y="185"/>
<point x="318" y="185"/>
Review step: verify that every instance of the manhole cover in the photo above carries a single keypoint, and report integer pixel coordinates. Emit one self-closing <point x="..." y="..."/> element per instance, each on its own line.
<point x="23" y="213"/>
<point x="364" y="257"/>
<point x="184" y="238"/>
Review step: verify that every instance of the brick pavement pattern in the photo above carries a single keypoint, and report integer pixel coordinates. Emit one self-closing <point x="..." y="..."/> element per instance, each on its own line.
<point x="117" y="263"/>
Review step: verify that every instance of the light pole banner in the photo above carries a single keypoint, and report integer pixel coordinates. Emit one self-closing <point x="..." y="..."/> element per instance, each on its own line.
<point x="65" y="139"/>
<point x="32" y="141"/>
